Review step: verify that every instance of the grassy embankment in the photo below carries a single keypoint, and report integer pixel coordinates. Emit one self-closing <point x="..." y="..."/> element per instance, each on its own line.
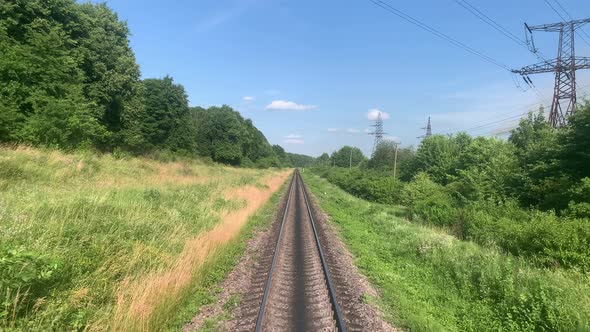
<point x="104" y="243"/>
<point x="431" y="281"/>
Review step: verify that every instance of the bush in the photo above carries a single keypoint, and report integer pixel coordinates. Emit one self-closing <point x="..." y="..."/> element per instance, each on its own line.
<point x="430" y="201"/>
<point x="371" y="185"/>
<point x="24" y="277"/>
<point x="547" y="240"/>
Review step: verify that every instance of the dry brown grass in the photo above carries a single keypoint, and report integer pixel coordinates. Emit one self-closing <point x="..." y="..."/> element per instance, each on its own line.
<point x="142" y="302"/>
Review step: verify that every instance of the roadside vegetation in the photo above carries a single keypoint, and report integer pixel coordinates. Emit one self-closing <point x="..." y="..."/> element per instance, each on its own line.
<point x="106" y="243"/>
<point x="529" y="195"/>
<point x="429" y="280"/>
<point x="498" y="231"/>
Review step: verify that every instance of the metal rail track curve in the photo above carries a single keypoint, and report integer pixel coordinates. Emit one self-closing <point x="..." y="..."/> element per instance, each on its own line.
<point x="299" y="294"/>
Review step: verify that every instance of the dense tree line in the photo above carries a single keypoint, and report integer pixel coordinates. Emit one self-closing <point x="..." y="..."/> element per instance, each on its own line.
<point x="529" y="194"/>
<point x="69" y="79"/>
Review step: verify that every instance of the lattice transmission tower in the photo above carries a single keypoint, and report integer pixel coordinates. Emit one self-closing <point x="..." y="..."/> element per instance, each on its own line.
<point x="378" y="133"/>
<point x="428" y="129"/>
<point x="564" y="67"/>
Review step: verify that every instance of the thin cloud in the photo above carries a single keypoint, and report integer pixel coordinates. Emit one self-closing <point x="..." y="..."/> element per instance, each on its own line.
<point x="373" y="113"/>
<point x="283" y="105"/>
<point x="352" y="130"/>
<point x="394" y="139"/>
<point x="293" y="139"/>
<point x="248" y="99"/>
<point x="333" y="130"/>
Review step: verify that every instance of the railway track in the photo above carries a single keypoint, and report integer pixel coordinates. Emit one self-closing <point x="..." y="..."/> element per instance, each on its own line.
<point x="298" y="292"/>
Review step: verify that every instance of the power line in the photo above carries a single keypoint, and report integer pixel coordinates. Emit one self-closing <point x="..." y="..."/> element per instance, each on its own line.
<point x="563" y="18"/>
<point x="488" y="124"/>
<point x="472" y="9"/>
<point x="491" y="22"/>
<point x="570" y="16"/>
<point x="418" y="23"/>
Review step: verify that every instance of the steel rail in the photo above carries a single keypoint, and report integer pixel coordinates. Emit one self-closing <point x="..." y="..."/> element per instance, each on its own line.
<point x="274" y="259"/>
<point x="337" y="314"/>
<point x="331" y="292"/>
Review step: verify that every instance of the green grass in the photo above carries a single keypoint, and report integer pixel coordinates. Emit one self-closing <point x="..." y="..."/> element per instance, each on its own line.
<point x="431" y="281"/>
<point x="75" y="227"/>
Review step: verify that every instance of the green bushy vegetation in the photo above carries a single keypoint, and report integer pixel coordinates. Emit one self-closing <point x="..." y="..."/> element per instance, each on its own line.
<point x="69" y="80"/>
<point x="367" y="184"/>
<point x="431" y="281"/>
<point x="529" y="195"/>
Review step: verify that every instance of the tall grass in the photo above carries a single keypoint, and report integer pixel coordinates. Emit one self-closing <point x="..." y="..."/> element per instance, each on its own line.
<point x="432" y="281"/>
<point x="77" y="231"/>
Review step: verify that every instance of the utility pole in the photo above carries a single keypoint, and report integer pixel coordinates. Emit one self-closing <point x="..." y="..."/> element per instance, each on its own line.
<point x="564" y="67"/>
<point x="397" y="144"/>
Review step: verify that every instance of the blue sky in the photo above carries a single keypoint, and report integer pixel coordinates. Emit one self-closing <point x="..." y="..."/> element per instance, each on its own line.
<point x="307" y="72"/>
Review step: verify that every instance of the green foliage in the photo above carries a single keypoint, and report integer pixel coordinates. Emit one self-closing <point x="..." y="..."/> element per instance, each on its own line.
<point x="224" y="136"/>
<point x="438" y="155"/>
<point x="428" y="200"/>
<point x="431" y="281"/>
<point x="536" y="149"/>
<point x="367" y="184"/>
<point x="575" y="144"/>
<point x="384" y="158"/>
<point x="24" y="277"/>
<point x="70" y="80"/>
<point x="300" y="160"/>
<point x="323" y="160"/>
<point x="165" y="124"/>
<point x="486" y="169"/>
<point x="347" y="156"/>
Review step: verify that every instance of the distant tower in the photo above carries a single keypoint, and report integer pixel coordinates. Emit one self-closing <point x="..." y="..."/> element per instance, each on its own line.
<point x="378" y="132"/>
<point x="428" y="130"/>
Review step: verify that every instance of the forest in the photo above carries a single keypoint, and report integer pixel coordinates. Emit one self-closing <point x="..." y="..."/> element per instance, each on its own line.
<point x="70" y="81"/>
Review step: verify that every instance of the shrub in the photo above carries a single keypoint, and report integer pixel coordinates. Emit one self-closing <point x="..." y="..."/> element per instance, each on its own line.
<point x="430" y="201"/>
<point x="371" y="185"/>
<point x="24" y="277"/>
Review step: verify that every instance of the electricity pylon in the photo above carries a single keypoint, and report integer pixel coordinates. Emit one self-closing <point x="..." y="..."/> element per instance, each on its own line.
<point x="378" y="133"/>
<point x="564" y="67"/>
<point x="428" y="130"/>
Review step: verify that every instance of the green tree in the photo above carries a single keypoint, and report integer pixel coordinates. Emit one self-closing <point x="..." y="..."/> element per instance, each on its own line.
<point x="300" y="160"/>
<point x="282" y="155"/>
<point x="487" y="169"/>
<point x="575" y="144"/>
<point x="437" y="156"/>
<point x="323" y="160"/>
<point x="166" y="122"/>
<point x="110" y="70"/>
<point x="347" y="156"/>
<point x="540" y="181"/>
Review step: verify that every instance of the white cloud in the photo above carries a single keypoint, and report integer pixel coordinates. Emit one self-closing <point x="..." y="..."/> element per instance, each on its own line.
<point x="333" y="130"/>
<point x="368" y="130"/>
<point x="293" y="139"/>
<point x="248" y="99"/>
<point x="373" y="113"/>
<point x="352" y="130"/>
<point x="283" y="105"/>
